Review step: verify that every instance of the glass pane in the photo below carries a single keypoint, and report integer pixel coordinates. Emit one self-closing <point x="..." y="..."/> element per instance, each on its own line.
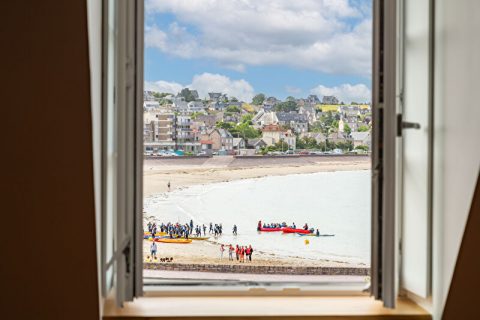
<point x="257" y="133"/>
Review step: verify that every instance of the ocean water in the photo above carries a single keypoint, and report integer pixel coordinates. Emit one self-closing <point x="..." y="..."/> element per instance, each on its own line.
<point x="334" y="202"/>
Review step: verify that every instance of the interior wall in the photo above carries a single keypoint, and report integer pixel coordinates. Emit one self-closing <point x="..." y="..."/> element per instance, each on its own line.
<point x="48" y="263"/>
<point x="456" y="133"/>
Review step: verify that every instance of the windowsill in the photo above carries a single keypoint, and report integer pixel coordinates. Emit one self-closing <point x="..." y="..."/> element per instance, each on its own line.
<point x="262" y="308"/>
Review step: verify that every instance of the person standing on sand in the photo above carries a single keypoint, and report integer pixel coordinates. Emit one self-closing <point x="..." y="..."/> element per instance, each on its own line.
<point x="211" y="228"/>
<point x="153" y="250"/>
<point x="222" y="248"/>
<point x="250" y="251"/>
<point x="168" y="186"/>
<point x="230" y="253"/>
<point x="235" y="229"/>
<point x="237" y="251"/>
<point x="204" y="230"/>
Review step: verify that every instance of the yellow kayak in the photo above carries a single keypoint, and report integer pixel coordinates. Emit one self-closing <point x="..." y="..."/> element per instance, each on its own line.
<point x="157" y="234"/>
<point x="199" y="238"/>
<point x="166" y="240"/>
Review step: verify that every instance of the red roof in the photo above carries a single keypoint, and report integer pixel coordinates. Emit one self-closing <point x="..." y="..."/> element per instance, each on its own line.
<point x="272" y="128"/>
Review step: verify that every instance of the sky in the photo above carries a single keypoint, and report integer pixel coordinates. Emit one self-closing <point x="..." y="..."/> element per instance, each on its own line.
<point x="243" y="47"/>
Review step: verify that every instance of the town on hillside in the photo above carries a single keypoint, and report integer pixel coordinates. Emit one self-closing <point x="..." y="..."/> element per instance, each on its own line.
<point x="187" y="125"/>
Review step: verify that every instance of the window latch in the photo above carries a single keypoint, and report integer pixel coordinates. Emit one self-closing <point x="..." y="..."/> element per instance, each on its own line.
<point x="405" y="125"/>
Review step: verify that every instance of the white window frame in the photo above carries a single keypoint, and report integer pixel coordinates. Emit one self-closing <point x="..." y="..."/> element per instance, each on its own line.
<point x="127" y="262"/>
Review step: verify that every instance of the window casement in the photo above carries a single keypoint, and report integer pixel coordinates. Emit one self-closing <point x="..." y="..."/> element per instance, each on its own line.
<point x="123" y="150"/>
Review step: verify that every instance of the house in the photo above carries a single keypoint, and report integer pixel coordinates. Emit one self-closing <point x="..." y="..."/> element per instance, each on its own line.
<point x="313" y="99"/>
<point x="298" y="122"/>
<point x="148" y="95"/>
<point x="150" y="105"/>
<point x="291" y="139"/>
<point x="330" y="100"/>
<point x="263" y="118"/>
<point x="337" y="137"/>
<point x="179" y="104"/>
<point x="318" y="136"/>
<point x="350" y="111"/>
<point x="217" y="105"/>
<point x="206" y="146"/>
<point x="361" y="138"/>
<point x="309" y="112"/>
<point x="238" y="143"/>
<point x="270" y="103"/>
<point x="195" y="106"/>
<point x="271" y="134"/>
<point x="351" y="122"/>
<point x="256" y="144"/>
<point x="207" y="119"/>
<point x="217" y="96"/>
<point x="221" y="139"/>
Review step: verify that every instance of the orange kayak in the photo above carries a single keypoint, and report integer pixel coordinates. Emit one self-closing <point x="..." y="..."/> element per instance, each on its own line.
<point x="167" y="240"/>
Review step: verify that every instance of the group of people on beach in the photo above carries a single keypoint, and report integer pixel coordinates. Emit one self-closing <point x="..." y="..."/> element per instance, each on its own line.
<point x="242" y="253"/>
<point x="175" y="230"/>
<point x="284" y="225"/>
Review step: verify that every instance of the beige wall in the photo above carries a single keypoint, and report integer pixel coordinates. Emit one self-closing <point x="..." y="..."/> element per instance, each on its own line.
<point x="456" y="133"/>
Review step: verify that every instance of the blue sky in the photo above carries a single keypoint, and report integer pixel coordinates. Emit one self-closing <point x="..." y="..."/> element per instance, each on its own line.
<point x="243" y="47"/>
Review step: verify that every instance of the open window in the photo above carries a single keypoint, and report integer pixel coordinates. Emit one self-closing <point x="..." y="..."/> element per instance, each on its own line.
<point x="125" y="149"/>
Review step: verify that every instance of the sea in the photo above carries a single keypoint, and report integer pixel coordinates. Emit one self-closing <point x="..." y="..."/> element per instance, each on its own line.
<point x="336" y="203"/>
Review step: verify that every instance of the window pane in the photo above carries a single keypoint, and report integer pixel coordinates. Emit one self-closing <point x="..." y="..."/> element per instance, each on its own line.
<point x="257" y="134"/>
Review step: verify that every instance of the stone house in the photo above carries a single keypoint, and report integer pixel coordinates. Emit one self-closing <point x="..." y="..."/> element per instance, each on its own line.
<point x="221" y="139"/>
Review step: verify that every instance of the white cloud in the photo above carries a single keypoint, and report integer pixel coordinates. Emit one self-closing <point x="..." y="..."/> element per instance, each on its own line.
<point x="208" y="82"/>
<point x="309" y="34"/>
<point x="345" y="92"/>
<point x="163" y="86"/>
<point x="205" y="83"/>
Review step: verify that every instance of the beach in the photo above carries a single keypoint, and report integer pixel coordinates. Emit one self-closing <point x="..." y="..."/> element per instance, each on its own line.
<point x="184" y="173"/>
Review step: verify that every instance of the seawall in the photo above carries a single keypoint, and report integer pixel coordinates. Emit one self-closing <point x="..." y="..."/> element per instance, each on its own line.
<point x="245" y="268"/>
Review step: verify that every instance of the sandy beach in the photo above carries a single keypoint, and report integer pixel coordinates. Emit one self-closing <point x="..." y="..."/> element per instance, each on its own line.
<point x="208" y="252"/>
<point x="185" y="172"/>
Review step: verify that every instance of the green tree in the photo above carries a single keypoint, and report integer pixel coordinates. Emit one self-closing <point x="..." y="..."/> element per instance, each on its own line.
<point x="187" y="95"/>
<point x="233" y="109"/>
<point x="233" y="99"/>
<point x="290" y="98"/>
<point x="247" y="118"/>
<point x="347" y="129"/>
<point x="286" y="106"/>
<point x="363" y="128"/>
<point x="225" y="125"/>
<point x="258" y="99"/>
<point x="362" y="147"/>
<point x="246" y="131"/>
